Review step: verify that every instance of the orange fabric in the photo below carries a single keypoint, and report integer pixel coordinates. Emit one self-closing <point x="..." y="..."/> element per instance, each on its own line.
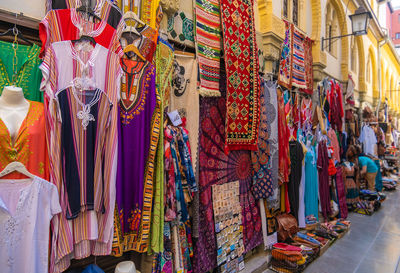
<point x="292" y="256"/>
<point x="30" y="144"/>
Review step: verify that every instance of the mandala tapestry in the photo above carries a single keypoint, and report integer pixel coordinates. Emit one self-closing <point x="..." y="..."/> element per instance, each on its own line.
<point x="216" y="167"/>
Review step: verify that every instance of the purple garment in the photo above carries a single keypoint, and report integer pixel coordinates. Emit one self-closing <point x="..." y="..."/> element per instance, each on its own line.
<point x="341" y="193"/>
<point x="323" y="179"/>
<point x="134" y="136"/>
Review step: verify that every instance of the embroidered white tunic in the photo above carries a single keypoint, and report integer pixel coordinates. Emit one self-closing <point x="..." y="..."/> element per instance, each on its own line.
<point x="26" y="209"/>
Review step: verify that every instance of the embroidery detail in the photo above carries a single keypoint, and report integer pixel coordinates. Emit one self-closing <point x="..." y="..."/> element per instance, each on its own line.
<point x="85" y="116"/>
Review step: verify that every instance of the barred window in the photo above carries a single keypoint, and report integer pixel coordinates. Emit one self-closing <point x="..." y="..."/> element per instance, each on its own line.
<point x="285" y="8"/>
<point x="295" y="14"/>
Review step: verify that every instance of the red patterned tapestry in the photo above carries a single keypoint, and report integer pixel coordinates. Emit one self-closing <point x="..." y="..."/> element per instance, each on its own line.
<point x="241" y="63"/>
<point x="308" y="65"/>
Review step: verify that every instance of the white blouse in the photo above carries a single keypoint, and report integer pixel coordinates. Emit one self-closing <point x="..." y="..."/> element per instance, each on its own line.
<point x="26" y="209"/>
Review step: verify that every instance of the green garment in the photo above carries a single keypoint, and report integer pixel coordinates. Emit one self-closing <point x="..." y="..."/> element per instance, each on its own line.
<point x="164" y="64"/>
<point x="28" y="76"/>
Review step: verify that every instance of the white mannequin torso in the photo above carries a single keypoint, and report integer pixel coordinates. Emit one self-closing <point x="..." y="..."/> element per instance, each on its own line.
<point x="13" y="109"/>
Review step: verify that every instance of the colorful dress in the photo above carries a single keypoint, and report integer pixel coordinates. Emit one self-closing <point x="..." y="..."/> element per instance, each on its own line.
<point x="323" y="180"/>
<point x="306" y="114"/>
<point x="352" y="192"/>
<point x="84" y="118"/>
<point x="164" y="66"/>
<point x="105" y="10"/>
<point x="148" y="11"/>
<point x="139" y="117"/>
<point x="68" y="24"/>
<point x="28" y="75"/>
<point x="29" y="147"/>
<point x="284" y="159"/>
<point x="185" y="186"/>
<point x="90" y="232"/>
<point x="311" y="183"/>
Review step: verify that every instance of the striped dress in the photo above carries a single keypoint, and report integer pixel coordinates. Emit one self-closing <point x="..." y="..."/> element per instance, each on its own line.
<point x="104" y="8"/>
<point x="84" y="118"/>
<point x="90" y="233"/>
<point x="67" y="24"/>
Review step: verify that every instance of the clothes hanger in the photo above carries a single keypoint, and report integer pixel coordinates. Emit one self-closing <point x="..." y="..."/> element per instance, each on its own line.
<point x="134" y="49"/>
<point x="184" y="54"/>
<point x="16" y="33"/>
<point x="85" y="38"/>
<point x="16" y="166"/>
<point x="87" y="9"/>
<point x="130" y="15"/>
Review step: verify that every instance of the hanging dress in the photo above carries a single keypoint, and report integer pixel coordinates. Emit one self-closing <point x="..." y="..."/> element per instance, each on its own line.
<point x="105" y="10"/>
<point x="296" y="159"/>
<point x="341" y="193"/>
<point x="138" y="133"/>
<point x="352" y="192"/>
<point x="323" y="179"/>
<point x="311" y="183"/>
<point x="306" y="114"/>
<point x="63" y="64"/>
<point x="29" y="146"/>
<point x="84" y="118"/>
<point x="28" y="75"/>
<point x="67" y="24"/>
<point x="283" y="132"/>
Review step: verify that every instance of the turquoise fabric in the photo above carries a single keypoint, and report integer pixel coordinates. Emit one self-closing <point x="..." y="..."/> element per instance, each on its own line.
<point x="311" y="183"/>
<point x="378" y="179"/>
<point x="366" y="161"/>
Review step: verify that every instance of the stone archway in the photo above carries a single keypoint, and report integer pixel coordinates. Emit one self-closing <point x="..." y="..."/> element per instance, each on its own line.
<point x="375" y="88"/>
<point x="341" y="15"/>
<point x="316" y="30"/>
<point x="362" y="86"/>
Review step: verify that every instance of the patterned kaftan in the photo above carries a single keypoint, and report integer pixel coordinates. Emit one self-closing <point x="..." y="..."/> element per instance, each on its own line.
<point x="137" y="142"/>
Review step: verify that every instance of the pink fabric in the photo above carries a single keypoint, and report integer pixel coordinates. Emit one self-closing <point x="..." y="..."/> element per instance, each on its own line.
<point x="341" y="193"/>
<point x="335" y="144"/>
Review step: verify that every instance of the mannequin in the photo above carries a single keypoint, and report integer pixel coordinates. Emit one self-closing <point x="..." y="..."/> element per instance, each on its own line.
<point x="13" y="109"/>
<point x="126" y="267"/>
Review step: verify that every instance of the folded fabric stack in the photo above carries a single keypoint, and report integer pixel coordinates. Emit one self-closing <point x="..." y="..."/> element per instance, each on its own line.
<point x="389" y="184"/>
<point x="311" y="222"/>
<point x="306" y="245"/>
<point x="287" y="258"/>
<point x="367" y="207"/>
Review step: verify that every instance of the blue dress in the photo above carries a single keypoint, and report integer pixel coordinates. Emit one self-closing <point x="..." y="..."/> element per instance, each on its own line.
<point x="311" y="183"/>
